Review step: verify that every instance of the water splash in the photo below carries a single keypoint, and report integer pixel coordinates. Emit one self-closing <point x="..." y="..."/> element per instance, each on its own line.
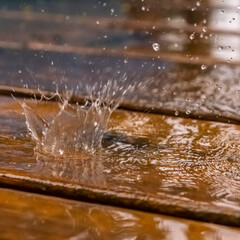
<point x="75" y="128"/>
<point x="89" y="170"/>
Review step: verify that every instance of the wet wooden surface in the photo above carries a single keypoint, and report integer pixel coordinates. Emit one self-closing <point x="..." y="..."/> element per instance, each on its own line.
<point x="125" y="26"/>
<point x="32" y="216"/>
<point x="196" y="78"/>
<point x="170" y="165"/>
<point x="176" y="89"/>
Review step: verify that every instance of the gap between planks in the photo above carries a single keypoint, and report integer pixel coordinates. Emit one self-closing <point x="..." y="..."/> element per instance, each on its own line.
<point x="200" y="115"/>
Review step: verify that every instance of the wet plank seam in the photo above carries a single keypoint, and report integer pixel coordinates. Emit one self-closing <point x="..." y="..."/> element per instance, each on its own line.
<point x="32" y="93"/>
<point x="164" y="204"/>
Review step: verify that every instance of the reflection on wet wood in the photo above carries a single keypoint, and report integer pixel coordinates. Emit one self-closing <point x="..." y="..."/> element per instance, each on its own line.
<point x="27" y="215"/>
<point x="181" y="167"/>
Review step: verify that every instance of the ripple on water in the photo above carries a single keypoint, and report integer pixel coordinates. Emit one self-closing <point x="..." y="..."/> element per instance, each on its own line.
<point x="143" y="153"/>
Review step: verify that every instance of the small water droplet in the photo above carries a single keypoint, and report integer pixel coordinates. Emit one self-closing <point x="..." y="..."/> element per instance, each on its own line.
<point x="192" y="36"/>
<point x="203" y="67"/>
<point x="156" y="46"/>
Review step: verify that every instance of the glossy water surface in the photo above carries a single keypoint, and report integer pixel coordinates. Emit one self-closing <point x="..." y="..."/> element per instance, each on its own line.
<point x="31" y="216"/>
<point x="141" y="154"/>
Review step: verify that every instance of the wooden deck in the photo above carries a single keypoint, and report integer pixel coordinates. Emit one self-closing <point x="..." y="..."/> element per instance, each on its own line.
<point x="177" y="172"/>
<point x="40" y="217"/>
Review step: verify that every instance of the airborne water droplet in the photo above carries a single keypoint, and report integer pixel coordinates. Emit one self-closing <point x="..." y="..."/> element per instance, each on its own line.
<point x="203" y="67"/>
<point x="156" y="47"/>
<point x="204" y="29"/>
<point x="192" y="36"/>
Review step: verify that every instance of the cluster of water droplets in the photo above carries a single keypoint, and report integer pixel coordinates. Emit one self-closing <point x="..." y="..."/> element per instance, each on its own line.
<point x="75" y="128"/>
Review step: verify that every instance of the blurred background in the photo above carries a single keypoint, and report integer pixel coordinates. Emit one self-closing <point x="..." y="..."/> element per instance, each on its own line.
<point x="192" y="28"/>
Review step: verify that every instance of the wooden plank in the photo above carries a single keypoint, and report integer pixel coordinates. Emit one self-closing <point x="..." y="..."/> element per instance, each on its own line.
<point x="133" y="30"/>
<point x="134" y="53"/>
<point x="102" y="40"/>
<point x="175" y="89"/>
<point x="32" y="216"/>
<point x="181" y="167"/>
<point x="106" y="22"/>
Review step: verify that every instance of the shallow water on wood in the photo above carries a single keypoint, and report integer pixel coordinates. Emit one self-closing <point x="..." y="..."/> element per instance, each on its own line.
<point x="141" y="153"/>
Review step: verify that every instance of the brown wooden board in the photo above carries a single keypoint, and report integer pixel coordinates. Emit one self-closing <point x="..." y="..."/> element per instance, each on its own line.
<point x="32" y="216"/>
<point x="170" y="165"/>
